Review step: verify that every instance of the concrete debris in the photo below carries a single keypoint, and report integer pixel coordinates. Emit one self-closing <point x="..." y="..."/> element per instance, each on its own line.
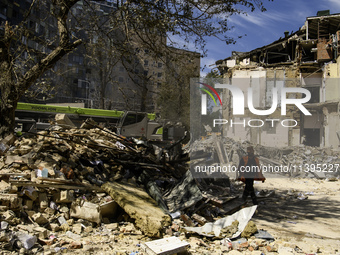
<point x="140" y="206"/>
<point x="168" y="246"/>
<point x="5" y="143"/>
<point x="62" y="188"/>
<point x="262" y="234"/>
<point x="297" y="161"/>
<point x="215" y="229"/>
<point x="63" y="120"/>
<point x="86" y="210"/>
<point x="249" y="230"/>
<point x="73" y="180"/>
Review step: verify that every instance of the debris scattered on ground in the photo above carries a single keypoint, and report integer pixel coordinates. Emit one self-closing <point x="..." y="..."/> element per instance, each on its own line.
<point x="215" y="229"/>
<point x="63" y="188"/>
<point x="170" y="245"/>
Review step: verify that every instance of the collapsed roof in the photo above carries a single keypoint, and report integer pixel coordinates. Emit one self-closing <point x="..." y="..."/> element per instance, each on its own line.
<point x="314" y="43"/>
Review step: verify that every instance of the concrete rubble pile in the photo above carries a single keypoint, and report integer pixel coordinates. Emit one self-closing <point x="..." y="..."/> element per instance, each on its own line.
<point x="299" y="161"/>
<point x="62" y="185"/>
<point x="54" y="181"/>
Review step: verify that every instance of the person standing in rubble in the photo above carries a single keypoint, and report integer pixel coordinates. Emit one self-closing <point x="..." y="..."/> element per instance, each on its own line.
<point x="248" y="171"/>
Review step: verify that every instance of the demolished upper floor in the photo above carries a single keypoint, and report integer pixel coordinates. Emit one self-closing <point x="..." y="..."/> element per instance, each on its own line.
<point x="315" y="43"/>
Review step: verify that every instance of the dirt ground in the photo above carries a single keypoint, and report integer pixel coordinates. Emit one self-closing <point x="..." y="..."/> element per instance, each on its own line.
<point x="303" y="216"/>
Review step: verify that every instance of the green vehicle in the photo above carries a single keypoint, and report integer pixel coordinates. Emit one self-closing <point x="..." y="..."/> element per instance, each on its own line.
<point x="33" y="117"/>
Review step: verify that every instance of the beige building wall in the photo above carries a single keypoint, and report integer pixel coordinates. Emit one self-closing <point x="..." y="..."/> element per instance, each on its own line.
<point x="331" y="126"/>
<point x="332" y="83"/>
<point x="277" y="139"/>
<point x="261" y="80"/>
<point x="331" y="138"/>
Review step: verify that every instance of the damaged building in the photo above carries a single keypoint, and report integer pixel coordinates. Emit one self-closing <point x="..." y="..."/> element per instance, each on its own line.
<point x="308" y="59"/>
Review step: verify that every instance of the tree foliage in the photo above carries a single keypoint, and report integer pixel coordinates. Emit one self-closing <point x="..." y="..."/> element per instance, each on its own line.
<point x="27" y="52"/>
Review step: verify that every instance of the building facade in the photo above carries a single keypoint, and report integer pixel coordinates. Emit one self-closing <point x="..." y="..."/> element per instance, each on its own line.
<point x="94" y="74"/>
<point x="308" y="59"/>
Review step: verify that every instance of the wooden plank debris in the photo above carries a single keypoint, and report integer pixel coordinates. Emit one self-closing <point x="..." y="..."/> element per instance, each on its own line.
<point x="56" y="186"/>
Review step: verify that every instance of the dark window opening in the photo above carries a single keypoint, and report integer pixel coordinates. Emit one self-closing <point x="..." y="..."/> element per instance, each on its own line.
<point x="311" y="137"/>
<point x="315" y="94"/>
<point x="132" y="118"/>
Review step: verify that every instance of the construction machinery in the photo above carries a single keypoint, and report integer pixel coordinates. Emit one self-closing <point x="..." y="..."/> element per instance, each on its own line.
<point x="33" y="117"/>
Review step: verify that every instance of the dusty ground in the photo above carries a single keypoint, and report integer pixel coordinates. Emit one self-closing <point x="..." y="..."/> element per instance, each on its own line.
<point x="299" y="224"/>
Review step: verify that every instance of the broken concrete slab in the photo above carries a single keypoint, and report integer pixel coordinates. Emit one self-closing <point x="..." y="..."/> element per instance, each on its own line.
<point x="109" y="209"/>
<point x="62" y="119"/>
<point x="149" y="218"/>
<point x="42" y="233"/>
<point x="87" y="211"/>
<point x="77" y="228"/>
<point x="262" y="234"/>
<point x="15" y="159"/>
<point x="31" y="193"/>
<point x="166" y="246"/>
<point x="319" y="174"/>
<point x="27" y="241"/>
<point x="39" y="218"/>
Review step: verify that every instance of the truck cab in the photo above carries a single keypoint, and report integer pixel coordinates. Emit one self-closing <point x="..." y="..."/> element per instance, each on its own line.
<point x="140" y="124"/>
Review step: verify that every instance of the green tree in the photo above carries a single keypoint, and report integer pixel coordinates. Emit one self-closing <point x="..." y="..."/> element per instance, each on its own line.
<point x="27" y="52"/>
<point x="174" y="94"/>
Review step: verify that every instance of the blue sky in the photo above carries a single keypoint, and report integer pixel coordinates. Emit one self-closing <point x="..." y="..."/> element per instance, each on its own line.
<point x="262" y="28"/>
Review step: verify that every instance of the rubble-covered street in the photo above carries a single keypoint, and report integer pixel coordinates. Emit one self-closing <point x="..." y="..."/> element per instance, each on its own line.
<point x="169" y="127"/>
<point x="89" y="191"/>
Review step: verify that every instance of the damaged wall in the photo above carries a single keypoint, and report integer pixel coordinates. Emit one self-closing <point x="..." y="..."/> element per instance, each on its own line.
<point x="320" y="129"/>
<point x="331" y="124"/>
<point x="332" y="83"/>
<point x="311" y="57"/>
<point x="262" y="81"/>
<point x="266" y="135"/>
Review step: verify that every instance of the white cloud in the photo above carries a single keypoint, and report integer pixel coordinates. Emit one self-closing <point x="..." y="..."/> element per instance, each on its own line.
<point x="263" y="19"/>
<point x="334" y="4"/>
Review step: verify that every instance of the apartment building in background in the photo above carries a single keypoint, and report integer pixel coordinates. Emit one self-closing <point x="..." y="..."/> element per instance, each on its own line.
<point x="92" y="75"/>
